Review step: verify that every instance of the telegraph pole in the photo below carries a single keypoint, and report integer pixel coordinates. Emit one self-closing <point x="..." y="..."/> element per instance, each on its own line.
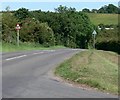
<point x="18" y="28"/>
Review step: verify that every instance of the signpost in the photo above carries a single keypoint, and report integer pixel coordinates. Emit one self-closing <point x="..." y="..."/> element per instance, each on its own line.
<point x="18" y="28"/>
<point x="94" y="34"/>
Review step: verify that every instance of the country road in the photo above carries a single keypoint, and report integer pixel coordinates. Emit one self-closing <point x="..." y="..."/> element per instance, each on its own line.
<point x="28" y="75"/>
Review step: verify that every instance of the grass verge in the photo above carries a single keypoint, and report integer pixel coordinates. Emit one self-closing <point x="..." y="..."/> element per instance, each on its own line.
<point x="5" y="47"/>
<point x="98" y="69"/>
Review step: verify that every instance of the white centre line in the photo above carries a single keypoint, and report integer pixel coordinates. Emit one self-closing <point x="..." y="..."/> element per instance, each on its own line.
<point x="37" y="53"/>
<point x="16" y="57"/>
<point x="49" y="50"/>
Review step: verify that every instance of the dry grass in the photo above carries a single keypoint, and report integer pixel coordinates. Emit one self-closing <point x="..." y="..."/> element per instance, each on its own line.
<point x="98" y="69"/>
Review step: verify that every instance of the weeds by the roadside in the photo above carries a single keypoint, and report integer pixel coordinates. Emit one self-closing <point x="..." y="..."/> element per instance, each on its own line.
<point x="98" y="69"/>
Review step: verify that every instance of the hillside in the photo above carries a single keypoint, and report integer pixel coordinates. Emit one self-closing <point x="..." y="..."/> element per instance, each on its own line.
<point x="106" y="19"/>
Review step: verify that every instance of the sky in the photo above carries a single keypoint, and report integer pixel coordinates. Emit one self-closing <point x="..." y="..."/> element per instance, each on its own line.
<point x="49" y="6"/>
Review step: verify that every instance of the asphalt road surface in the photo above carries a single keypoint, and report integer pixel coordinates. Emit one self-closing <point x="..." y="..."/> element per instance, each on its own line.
<point x="28" y="75"/>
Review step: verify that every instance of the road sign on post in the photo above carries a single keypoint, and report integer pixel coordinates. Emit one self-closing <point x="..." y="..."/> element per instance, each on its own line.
<point x="18" y="28"/>
<point x="94" y="34"/>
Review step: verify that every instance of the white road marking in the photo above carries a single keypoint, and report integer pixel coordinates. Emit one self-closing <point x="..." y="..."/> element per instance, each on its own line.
<point x="16" y="57"/>
<point x="49" y="50"/>
<point x="26" y="55"/>
<point x="37" y="53"/>
<point x="75" y="49"/>
<point x="43" y="52"/>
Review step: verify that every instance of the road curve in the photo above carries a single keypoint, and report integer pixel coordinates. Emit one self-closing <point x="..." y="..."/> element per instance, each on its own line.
<point x="26" y="75"/>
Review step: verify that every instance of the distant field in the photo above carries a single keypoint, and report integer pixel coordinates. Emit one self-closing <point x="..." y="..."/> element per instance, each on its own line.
<point x="105" y="19"/>
<point x="98" y="18"/>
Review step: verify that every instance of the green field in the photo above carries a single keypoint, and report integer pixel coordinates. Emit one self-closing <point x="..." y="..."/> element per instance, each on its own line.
<point x="93" y="68"/>
<point x="106" y="19"/>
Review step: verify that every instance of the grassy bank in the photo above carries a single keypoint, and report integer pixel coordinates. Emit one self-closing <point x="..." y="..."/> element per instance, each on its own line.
<point x="106" y="19"/>
<point x="98" y="69"/>
<point x="5" y="47"/>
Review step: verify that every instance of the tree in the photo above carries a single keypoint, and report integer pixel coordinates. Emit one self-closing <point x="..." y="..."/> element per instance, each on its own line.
<point x="22" y="13"/>
<point x="46" y="35"/>
<point x="103" y="9"/>
<point x="94" y="11"/>
<point x="36" y="32"/>
<point x="86" y="10"/>
<point x="108" y="9"/>
<point x="61" y="9"/>
<point x="72" y="9"/>
<point x="112" y="9"/>
<point x="66" y="27"/>
<point x="7" y="8"/>
<point x="8" y="26"/>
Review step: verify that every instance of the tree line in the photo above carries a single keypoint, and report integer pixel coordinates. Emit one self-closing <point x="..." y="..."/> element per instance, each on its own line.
<point x="65" y="26"/>
<point x="108" y="9"/>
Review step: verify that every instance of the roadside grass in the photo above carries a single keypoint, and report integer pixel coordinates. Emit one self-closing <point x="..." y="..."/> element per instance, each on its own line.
<point x="0" y="21"/>
<point x="0" y="46"/>
<point x="93" y="68"/>
<point x="106" y="19"/>
<point x="7" y="47"/>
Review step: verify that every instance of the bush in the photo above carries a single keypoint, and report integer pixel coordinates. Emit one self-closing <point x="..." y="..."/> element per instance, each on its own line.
<point x="109" y="46"/>
<point x="108" y="40"/>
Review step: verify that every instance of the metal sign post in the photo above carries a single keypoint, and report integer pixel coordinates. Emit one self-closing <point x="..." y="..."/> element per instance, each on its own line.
<point x="18" y="28"/>
<point x="94" y="34"/>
